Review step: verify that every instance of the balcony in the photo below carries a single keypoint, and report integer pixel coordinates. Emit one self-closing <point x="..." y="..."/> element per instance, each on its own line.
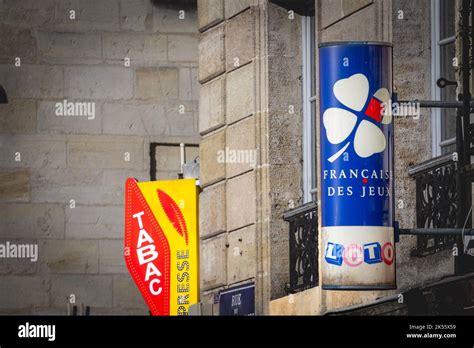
<point x="437" y="202"/>
<point x="303" y="247"/>
<point x="437" y="206"/>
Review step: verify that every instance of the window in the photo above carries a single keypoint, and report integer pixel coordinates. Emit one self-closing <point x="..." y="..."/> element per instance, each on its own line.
<point x="165" y="160"/>
<point x="309" y="109"/>
<point x="443" y="39"/>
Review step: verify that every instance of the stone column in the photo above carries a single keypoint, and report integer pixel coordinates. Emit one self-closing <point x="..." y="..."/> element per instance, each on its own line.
<point x="234" y="205"/>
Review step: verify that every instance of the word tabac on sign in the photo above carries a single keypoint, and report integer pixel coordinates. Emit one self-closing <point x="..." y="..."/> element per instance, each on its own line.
<point x="161" y="243"/>
<point x="357" y="166"/>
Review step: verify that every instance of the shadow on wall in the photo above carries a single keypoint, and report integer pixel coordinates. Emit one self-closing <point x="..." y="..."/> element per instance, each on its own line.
<point x="3" y="96"/>
<point x="176" y="4"/>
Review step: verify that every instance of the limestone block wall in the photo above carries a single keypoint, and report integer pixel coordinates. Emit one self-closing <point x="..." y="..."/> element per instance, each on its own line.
<point x="62" y="177"/>
<point x="228" y="125"/>
<point x="412" y="80"/>
<point x="250" y="74"/>
<point x="286" y="135"/>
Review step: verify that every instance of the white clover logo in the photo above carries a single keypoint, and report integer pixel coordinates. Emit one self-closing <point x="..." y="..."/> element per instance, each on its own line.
<point x="369" y="139"/>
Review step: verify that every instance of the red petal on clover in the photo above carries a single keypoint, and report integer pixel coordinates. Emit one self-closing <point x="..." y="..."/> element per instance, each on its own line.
<point x="374" y="110"/>
<point x="174" y="214"/>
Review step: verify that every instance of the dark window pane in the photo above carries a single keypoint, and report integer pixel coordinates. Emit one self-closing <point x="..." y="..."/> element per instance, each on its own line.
<point x="448" y="116"/>
<point x="447" y="54"/>
<point x="448" y="124"/>
<point x="313" y="145"/>
<point x="446" y="13"/>
<point x="448" y="149"/>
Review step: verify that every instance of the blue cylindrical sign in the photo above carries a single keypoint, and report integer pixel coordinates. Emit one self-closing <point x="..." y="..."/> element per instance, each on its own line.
<point x="356" y="168"/>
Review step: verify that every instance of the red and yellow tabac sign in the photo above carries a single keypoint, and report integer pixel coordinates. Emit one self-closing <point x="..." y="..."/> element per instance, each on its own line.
<point x="161" y="243"/>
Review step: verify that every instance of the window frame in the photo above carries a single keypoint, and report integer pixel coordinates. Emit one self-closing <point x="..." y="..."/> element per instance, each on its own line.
<point x="153" y="147"/>
<point x="436" y="43"/>
<point x="309" y="102"/>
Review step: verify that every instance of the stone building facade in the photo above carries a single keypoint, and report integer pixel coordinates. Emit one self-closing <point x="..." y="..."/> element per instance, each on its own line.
<point x="228" y="78"/>
<point x="251" y="76"/>
<point x="62" y="177"/>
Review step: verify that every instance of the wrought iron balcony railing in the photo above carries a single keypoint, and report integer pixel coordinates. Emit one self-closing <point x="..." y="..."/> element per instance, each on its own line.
<point x="303" y="247"/>
<point x="437" y="202"/>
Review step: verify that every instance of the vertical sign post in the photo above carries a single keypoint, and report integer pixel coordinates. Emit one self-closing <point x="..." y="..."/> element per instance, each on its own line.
<point x="356" y="143"/>
<point x="161" y="243"/>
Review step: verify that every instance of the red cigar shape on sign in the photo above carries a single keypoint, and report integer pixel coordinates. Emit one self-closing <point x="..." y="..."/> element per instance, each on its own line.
<point x="174" y="214"/>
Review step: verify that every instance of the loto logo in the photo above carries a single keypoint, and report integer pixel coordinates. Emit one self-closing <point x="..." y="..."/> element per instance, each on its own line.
<point x="355" y="254"/>
<point x="340" y="123"/>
